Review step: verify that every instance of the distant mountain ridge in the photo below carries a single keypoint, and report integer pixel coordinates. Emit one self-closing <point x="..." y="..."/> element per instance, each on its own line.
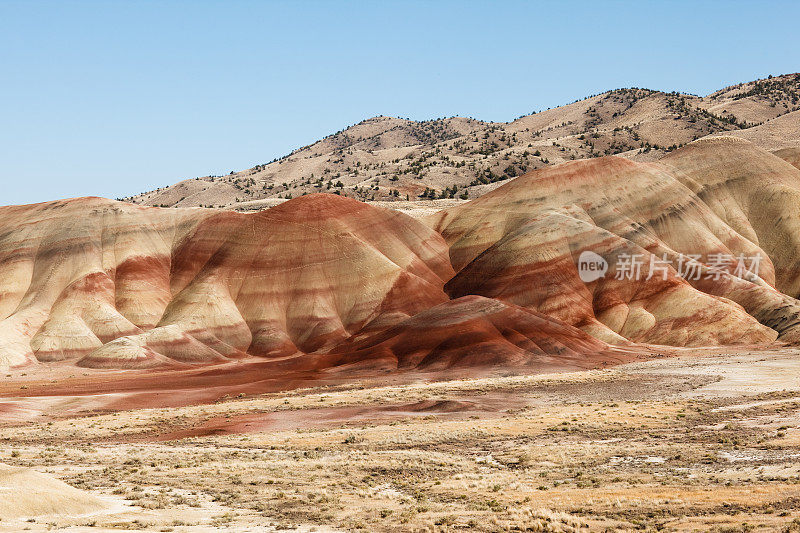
<point x="390" y="159"/>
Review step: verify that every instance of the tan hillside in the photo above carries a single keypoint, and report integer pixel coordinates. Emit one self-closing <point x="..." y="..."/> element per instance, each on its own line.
<point x="791" y="155"/>
<point x="392" y="159"/>
<point x="26" y="493"/>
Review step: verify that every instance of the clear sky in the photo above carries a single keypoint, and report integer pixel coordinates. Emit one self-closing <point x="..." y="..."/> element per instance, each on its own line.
<point x="113" y="98"/>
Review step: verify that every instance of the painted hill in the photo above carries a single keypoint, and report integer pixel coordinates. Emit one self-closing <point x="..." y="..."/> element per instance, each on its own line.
<point x="324" y="281"/>
<point x="112" y="284"/>
<point x="791" y="155"/>
<point x="392" y="159"/>
<point x="520" y="243"/>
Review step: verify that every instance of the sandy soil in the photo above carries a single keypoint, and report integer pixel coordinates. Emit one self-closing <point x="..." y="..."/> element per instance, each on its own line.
<point x="708" y="440"/>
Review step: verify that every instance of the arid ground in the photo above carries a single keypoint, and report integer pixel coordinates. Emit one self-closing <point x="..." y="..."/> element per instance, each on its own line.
<point x="707" y="440"/>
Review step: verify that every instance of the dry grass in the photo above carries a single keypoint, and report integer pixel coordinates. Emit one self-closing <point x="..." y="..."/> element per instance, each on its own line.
<point x="640" y="447"/>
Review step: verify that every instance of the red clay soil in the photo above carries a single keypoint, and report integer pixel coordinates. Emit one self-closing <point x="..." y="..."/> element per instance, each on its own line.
<point x="31" y="394"/>
<point x="483" y="406"/>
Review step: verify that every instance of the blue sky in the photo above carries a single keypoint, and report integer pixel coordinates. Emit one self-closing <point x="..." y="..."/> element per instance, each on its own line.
<point x="113" y="98"/>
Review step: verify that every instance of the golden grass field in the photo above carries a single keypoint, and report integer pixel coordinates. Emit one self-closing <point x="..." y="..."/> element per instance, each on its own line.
<point x="703" y="441"/>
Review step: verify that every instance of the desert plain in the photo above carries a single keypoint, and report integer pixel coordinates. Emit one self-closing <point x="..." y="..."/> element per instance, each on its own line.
<point x="690" y="442"/>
